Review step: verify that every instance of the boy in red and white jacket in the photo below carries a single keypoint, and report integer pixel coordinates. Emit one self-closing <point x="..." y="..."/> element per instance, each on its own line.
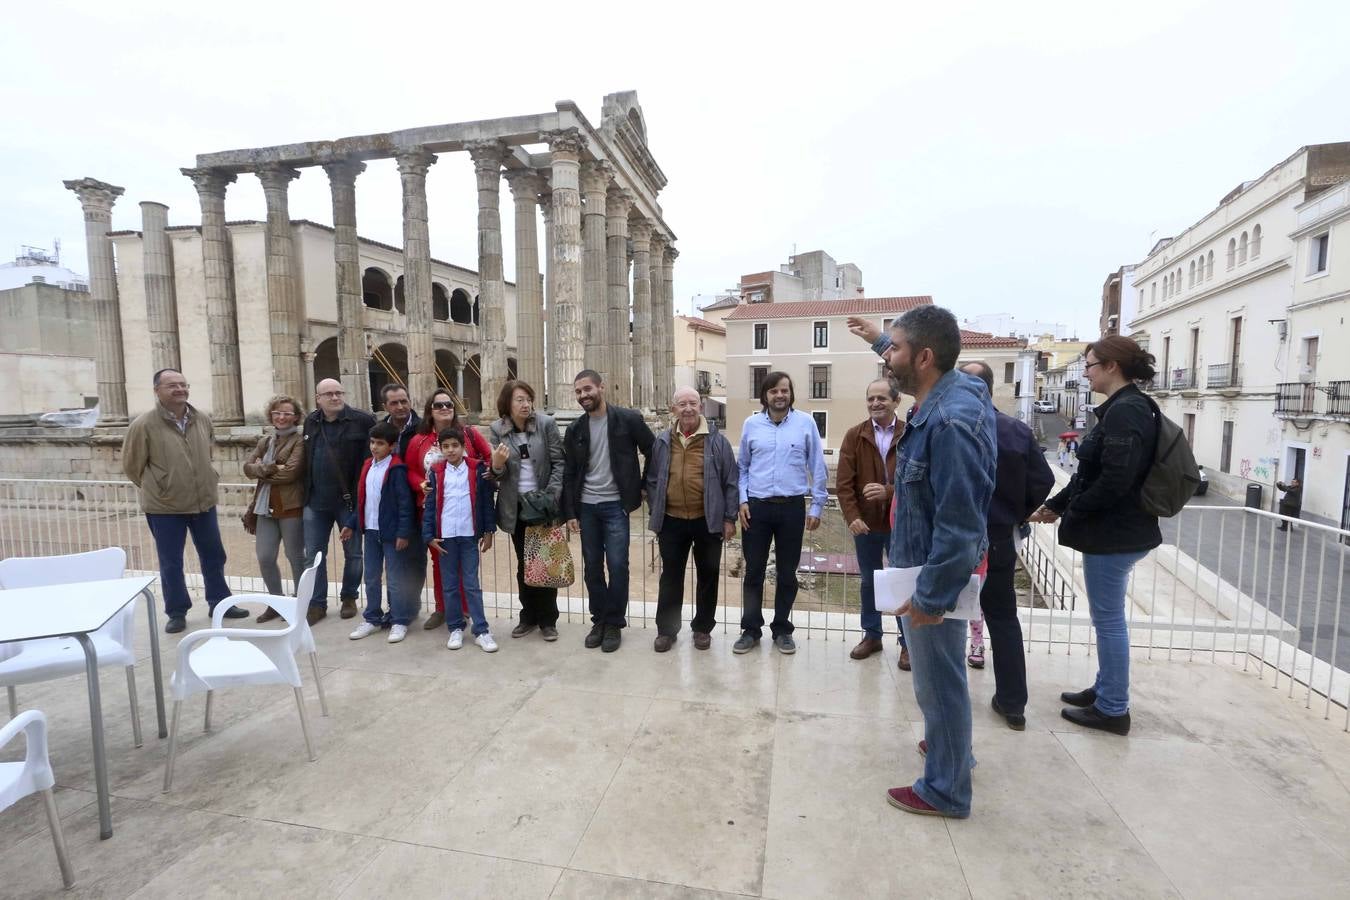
<point x="385" y="522"/>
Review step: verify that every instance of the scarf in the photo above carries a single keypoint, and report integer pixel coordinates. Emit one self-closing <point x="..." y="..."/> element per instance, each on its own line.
<point x="263" y="505"/>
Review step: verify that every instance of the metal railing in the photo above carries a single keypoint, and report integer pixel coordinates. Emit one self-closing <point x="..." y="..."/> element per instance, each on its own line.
<point x="1181" y="379"/>
<point x="1295" y="398"/>
<point x="1338" y="398"/>
<point x="1224" y="375"/>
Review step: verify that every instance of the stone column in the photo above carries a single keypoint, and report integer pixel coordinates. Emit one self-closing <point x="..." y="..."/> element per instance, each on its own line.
<point x="550" y="342"/>
<point x="643" y="386"/>
<point x="487" y="159"/>
<point x="525" y="185"/>
<point x="412" y="170"/>
<point x="97" y="199"/>
<point x="353" y="366"/>
<point x="567" y="352"/>
<point x="661" y="388"/>
<point x="222" y="323"/>
<point x="161" y="300"/>
<point x="283" y="297"/>
<point x="620" y="351"/>
<point x="595" y="306"/>
<point x="668" y="308"/>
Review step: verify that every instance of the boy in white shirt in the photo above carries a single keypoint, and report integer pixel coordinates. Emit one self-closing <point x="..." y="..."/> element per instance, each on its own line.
<point x="384" y="520"/>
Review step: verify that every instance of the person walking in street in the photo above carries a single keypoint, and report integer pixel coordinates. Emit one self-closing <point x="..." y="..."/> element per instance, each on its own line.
<point x="337" y="444"/>
<point x="1100" y="517"/>
<point x="691" y="489"/>
<point x="167" y="454"/>
<point x="944" y="479"/>
<point x="780" y="461"/>
<point x="278" y="502"/>
<point x="1021" y="484"/>
<point x="527" y="464"/>
<point x="602" y="484"/>
<point x="1291" y="504"/>
<point x="865" y="486"/>
<point x="398" y="412"/>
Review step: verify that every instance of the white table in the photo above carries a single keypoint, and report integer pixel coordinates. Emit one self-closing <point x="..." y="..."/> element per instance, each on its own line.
<point x="76" y="610"/>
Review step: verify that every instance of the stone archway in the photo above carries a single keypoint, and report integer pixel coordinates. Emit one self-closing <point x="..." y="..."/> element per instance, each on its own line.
<point x="473" y="394"/>
<point x="377" y="290"/>
<point x="389" y="363"/>
<point x="325" y="364"/>
<point x="440" y="302"/>
<point x="461" y="307"/>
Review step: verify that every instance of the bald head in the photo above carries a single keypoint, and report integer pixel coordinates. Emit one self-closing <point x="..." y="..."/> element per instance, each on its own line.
<point x="981" y="370"/>
<point x="330" y="397"/>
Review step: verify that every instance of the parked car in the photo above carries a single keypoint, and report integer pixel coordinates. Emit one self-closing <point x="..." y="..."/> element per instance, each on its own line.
<point x="1045" y="406"/>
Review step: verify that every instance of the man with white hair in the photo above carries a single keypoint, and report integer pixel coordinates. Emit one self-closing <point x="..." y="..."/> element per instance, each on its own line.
<point x="692" y="490"/>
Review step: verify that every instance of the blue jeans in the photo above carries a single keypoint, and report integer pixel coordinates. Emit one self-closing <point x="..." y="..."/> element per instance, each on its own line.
<point x="868" y="548"/>
<point x="1106" y="576"/>
<point x="382" y="556"/>
<point x="604" y="540"/>
<point x="461" y="562"/>
<point x="170" y="531"/>
<point x="938" y="654"/>
<point x="319" y="524"/>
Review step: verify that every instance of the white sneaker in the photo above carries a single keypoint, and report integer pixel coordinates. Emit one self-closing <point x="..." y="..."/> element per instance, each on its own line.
<point x="487" y="642"/>
<point x="365" y="629"/>
<point x="456" y="639"/>
<point x="397" y="633"/>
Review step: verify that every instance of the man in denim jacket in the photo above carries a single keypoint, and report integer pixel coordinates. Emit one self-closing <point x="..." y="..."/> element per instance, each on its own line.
<point x="944" y="479"/>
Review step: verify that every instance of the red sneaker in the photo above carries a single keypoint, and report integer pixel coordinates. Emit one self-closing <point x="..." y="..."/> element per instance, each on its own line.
<point x="905" y="798"/>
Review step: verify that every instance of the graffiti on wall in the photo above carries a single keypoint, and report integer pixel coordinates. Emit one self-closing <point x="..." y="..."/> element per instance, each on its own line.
<point x="1260" y="469"/>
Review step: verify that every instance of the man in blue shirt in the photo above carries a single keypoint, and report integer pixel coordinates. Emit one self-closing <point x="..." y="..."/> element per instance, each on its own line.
<point x="780" y="460"/>
<point x="944" y="479"/>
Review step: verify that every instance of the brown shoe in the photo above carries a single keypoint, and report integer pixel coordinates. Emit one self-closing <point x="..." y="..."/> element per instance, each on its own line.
<point x="866" y="647"/>
<point x="348" y="608"/>
<point x="904" y="659"/>
<point x="434" y="621"/>
<point x="315" y="613"/>
<point x="702" y="640"/>
<point x="267" y="615"/>
<point x="663" y="642"/>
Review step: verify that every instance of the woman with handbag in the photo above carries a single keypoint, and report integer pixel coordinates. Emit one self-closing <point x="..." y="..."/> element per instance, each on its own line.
<point x="527" y="464"/>
<point x="424" y="452"/>
<point x="274" y="514"/>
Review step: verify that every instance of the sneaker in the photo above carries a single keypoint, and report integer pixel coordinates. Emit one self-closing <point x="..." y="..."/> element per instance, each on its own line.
<point x="522" y="629"/>
<point x="434" y="621"/>
<point x="487" y="642"/>
<point x="175" y="625"/>
<point x="976" y="658"/>
<point x="397" y="633"/>
<point x="456" y="639"/>
<point x="548" y="632"/>
<point x="348" y="608"/>
<point x="613" y="637"/>
<point x="315" y="614"/>
<point x="785" y="644"/>
<point x="596" y="635"/>
<point x="905" y="798"/>
<point x="364" y="630"/>
<point x="745" y="643"/>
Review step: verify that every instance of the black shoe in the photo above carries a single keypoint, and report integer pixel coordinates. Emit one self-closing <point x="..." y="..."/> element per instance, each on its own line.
<point x="613" y="637"/>
<point x="1091" y="717"/>
<point x="235" y="612"/>
<point x="1085" y="697"/>
<point x="596" y="635"/>
<point x="785" y="644"/>
<point x="174" y="625"/>
<point x="1016" y="721"/>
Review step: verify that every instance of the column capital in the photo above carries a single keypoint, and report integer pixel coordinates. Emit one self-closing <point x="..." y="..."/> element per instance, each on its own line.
<point x="415" y="162"/>
<point x="658" y="243"/>
<point x="618" y="201"/>
<point x="487" y="155"/>
<point x="595" y="176"/>
<point x="344" y="171"/>
<point x="210" y="182"/>
<point x="276" y="177"/>
<point x="671" y="253"/>
<point x="524" y="183"/>
<point x="564" y="141"/>
<point x="95" y="196"/>
<point x="639" y="229"/>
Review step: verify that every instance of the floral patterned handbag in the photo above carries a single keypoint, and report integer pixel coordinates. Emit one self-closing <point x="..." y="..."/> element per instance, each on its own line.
<point x="548" y="559"/>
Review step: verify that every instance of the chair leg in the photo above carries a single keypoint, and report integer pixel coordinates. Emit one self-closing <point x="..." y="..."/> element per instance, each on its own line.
<point x="304" y="723"/>
<point x="206" y="726"/>
<point x="58" y="838"/>
<point x="13" y="701"/>
<point x="173" y="744"/>
<point x="318" y="683"/>
<point x="135" y="706"/>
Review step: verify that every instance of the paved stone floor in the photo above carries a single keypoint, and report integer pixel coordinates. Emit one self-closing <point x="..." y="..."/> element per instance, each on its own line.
<point x="548" y="770"/>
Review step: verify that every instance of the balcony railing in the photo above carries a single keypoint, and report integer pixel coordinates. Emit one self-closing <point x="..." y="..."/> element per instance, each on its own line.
<point x="1294" y="398"/>
<point x="1338" y="398"/>
<point x="1182" y="379"/>
<point x="1224" y="376"/>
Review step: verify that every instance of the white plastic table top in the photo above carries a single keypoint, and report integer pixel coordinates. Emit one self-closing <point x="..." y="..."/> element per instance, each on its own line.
<point x="58" y="610"/>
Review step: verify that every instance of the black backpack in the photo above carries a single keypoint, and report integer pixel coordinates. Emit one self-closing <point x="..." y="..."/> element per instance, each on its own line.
<point x="1174" y="477"/>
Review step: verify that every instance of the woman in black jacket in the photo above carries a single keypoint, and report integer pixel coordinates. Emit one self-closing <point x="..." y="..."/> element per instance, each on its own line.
<point x="1101" y="518"/>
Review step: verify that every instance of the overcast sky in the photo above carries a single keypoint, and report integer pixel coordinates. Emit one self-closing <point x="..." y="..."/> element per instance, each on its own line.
<point x="1003" y="157"/>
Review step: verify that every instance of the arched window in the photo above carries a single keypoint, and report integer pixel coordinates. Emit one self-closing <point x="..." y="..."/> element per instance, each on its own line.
<point x="475" y="309"/>
<point x="1209" y="266"/>
<point x="440" y="303"/>
<point x="1242" y="248"/>
<point x="376" y="290"/>
<point x="1153" y="294"/>
<point x="1256" y="241"/>
<point x="1166" y="287"/>
<point x="399" y="302"/>
<point x="1190" y="275"/>
<point x="1232" y="253"/>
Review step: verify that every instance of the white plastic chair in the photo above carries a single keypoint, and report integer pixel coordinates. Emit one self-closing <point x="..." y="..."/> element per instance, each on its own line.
<point x="27" y="662"/>
<point x="32" y="776"/>
<point x="217" y="657"/>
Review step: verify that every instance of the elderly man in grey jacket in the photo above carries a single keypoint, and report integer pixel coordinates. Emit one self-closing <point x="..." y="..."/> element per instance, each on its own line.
<point x="692" y="491"/>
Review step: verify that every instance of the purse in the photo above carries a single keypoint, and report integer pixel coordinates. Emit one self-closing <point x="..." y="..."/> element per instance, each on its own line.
<point x="548" y="558"/>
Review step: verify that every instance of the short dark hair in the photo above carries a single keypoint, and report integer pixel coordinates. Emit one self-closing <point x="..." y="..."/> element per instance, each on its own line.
<point x="384" y="431"/>
<point x="985" y="374"/>
<point x="589" y="374"/>
<point x="504" y="396"/>
<point x="932" y="328"/>
<point x="770" y="382"/>
<point x="390" y="388"/>
<point x="161" y="372"/>
<point x="1134" y="361"/>
<point x="891" y="387"/>
<point x="453" y="433"/>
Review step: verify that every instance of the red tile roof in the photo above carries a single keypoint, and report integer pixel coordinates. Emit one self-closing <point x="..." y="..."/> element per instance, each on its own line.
<point x="702" y="324"/>
<point x="981" y="339"/>
<point x="859" y="306"/>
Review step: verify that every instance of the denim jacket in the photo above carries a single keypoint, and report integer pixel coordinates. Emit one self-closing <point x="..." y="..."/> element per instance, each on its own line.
<point x="944" y="479"/>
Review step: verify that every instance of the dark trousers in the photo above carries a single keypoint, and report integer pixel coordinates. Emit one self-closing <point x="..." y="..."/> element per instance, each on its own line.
<point x="675" y="539"/>
<point x="781" y="524"/>
<point x="170" y="531"/>
<point x="604" y="546"/>
<point x="538" y="606"/>
<point x="998" y="599"/>
<point x="869" y="548"/>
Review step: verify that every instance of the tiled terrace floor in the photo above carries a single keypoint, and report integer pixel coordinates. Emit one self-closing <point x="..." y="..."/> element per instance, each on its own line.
<point x="548" y="770"/>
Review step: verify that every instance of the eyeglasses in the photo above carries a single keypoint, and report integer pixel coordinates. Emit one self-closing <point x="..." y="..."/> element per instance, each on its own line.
<point x="175" y="385"/>
<point x="443" y="404"/>
<point x="1087" y="366"/>
<point x="333" y="394"/>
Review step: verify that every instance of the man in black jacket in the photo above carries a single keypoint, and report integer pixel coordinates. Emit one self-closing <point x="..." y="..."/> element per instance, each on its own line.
<point x="601" y="486"/>
<point x="337" y="442"/>
<point x="1023" y="482"/>
<point x="398" y="412"/>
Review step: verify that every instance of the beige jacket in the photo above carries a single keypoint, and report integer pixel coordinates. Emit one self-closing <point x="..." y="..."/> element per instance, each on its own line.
<point x="172" y="468"/>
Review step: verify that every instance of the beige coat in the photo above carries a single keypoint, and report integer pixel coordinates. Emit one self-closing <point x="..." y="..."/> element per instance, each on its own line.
<point x="288" y="487"/>
<point x="172" y="468"/>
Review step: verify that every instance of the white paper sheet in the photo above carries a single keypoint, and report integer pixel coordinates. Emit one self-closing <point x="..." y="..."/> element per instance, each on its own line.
<point x="892" y="588"/>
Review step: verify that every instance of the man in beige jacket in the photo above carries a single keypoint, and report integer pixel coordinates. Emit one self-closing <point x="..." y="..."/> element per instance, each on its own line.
<point x="167" y="454"/>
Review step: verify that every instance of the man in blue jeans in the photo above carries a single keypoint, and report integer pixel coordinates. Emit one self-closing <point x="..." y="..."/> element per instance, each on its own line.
<point x="944" y="479"/>
<point x="602" y="484"/>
